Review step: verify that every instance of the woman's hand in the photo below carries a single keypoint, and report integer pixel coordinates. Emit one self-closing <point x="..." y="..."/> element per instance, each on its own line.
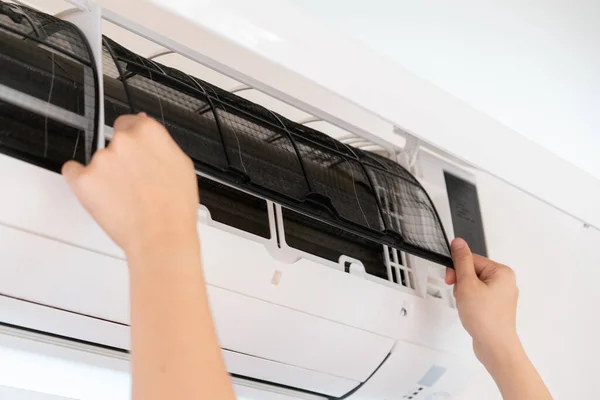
<point x="486" y="297"/>
<point x="141" y="189"/>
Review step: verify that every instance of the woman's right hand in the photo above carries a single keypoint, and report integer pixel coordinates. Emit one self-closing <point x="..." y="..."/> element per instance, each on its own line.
<point x="486" y="297"/>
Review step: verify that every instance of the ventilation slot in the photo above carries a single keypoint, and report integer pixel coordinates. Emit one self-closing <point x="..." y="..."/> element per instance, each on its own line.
<point x="235" y="208"/>
<point x="397" y="272"/>
<point x="323" y="240"/>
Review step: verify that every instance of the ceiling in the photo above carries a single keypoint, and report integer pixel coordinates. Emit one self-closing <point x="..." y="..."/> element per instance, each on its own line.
<point x="534" y="66"/>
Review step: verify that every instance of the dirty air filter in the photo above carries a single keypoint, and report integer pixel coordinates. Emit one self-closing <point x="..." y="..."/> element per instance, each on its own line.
<point x="228" y="138"/>
<point x="48" y="96"/>
<point x="253" y="148"/>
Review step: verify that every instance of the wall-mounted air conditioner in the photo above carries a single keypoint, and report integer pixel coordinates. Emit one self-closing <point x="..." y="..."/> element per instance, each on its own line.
<point x="334" y="288"/>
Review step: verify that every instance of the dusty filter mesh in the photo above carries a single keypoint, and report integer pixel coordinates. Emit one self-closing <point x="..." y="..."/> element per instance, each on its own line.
<point x="48" y="96"/>
<point x="227" y="137"/>
<point x="262" y="152"/>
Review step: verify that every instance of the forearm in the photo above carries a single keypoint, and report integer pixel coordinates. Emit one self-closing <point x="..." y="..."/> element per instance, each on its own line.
<point x="513" y="372"/>
<point x="175" y="351"/>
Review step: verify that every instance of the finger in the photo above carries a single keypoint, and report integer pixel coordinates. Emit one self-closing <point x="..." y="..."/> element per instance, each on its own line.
<point x="72" y="170"/>
<point x="481" y="263"/>
<point x="463" y="260"/>
<point x="126" y="122"/>
<point x="484" y="267"/>
<point x="450" y="276"/>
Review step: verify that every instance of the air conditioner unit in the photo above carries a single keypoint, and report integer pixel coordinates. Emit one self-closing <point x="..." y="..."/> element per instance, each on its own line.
<point x="335" y="286"/>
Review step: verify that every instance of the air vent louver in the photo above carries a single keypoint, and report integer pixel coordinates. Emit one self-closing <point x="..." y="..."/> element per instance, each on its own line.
<point x="227" y="137"/>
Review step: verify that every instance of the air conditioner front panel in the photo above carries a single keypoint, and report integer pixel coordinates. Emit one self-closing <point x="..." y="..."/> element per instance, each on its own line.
<point x="286" y="343"/>
<point x="47" y="209"/>
<point x="65" y="275"/>
<point x="56" y="274"/>
<point x="286" y="337"/>
<point x="416" y="369"/>
<point x="52" y="321"/>
<point x="39" y="201"/>
<point x="251" y="391"/>
<point x="286" y="375"/>
<point x="277" y="333"/>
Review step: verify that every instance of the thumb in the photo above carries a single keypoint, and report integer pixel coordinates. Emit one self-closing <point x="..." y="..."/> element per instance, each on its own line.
<point x="72" y="170"/>
<point x="463" y="260"/>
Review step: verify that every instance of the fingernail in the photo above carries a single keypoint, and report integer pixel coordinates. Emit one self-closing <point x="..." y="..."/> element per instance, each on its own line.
<point x="142" y="114"/>
<point x="458" y="244"/>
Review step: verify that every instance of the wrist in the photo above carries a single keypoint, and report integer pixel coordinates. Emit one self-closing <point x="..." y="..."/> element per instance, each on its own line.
<point x="166" y="244"/>
<point x="499" y="353"/>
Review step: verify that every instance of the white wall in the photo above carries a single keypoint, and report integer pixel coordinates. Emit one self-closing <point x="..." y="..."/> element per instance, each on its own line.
<point x="532" y="65"/>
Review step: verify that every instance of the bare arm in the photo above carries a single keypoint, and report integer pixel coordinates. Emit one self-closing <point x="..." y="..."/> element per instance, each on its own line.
<point x="142" y="191"/>
<point x="486" y="296"/>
